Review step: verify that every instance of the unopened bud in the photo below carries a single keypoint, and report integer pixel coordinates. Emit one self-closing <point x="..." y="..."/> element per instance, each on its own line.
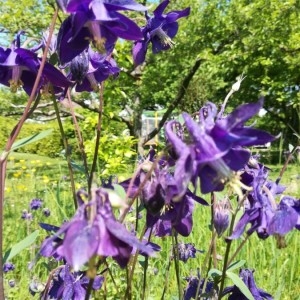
<point x="221" y="216"/>
<point x="235" y="87"/>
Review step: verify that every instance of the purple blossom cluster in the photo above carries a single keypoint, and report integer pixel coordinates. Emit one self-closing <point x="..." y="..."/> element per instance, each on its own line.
<point x="85" y="43"/>
<point x="93" y="230"/>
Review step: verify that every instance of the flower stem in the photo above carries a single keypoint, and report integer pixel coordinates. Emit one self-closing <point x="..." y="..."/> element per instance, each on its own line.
<point x="176" y="261"/>
<point x="13" y="136"/>
<point x="67" y="152"/>
<point x="98" y="135"/>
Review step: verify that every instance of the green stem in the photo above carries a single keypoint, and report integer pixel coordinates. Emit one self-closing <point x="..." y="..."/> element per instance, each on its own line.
<point x="67" y="152"/>
<point x="13" y="136"/>
<point x="79" y="137"/>
<point x="98" y="135"/>
<point x="176" y="261"/>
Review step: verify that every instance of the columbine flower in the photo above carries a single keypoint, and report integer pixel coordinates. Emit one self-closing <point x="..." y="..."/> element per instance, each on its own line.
<point x="26" y="215"/>
<point x="8" y="266"/>
<point x="89" y="68"/>
<point x="64" y="284"/>
<point x="247" y="276"/>
<point x="19" y="68"/>
<point x="214" y="150"/>
<point x="93" y="231"/>
<point x="35" y="204"/>
<point x="191" y="289"/>
<point x="46" y="212"/>
<point x="186" y="251"/>
<point x="160" y="30"/>
<point x="262" y="212"/>
<point x="167" y="206"/>
<point x="98" y="21"/>
<point x="221" y="216"/>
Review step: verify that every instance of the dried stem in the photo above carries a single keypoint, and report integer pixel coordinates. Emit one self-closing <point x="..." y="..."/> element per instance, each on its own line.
<point x="13" y="136"/>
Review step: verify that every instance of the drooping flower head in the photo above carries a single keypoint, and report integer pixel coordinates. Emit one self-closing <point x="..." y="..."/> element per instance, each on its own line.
<point x="93" y="231"/>
<point x="159" y="30"/>
<point x="65" y="284"/>
<point x="166" y="204"/>
<point x="213" y="151"/>
<point x="19" y="68"/>
<point x="247" y="276"/>
<point x="262" y="212"/>
<point x="98" y="21"/>
<point x="90" y="68"/>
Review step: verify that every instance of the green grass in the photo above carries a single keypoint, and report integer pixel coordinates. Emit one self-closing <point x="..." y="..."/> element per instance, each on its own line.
<point x="276" y="270"/>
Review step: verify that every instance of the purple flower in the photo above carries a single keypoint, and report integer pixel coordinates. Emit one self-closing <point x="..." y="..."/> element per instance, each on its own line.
<point x="98" y="21"/>
<point x="186" y="251"/>
<point x="247" y="276"/>
<point x="221" y="216"/>
<point x="89" y="234"/>
<point x="166" y="204"/>
<point x="11" y="283"/>
<point x="64" y="284"/>
<point x="262" y="212"/>
<point x="46" y="212"/>
<point x="26" y="215"/>
<point x="89" y="68"/>
<point x="213" y="152"/>
<point x="160" y="30"/>
<point x="35" y="204"/>
<point x="191" y="289"/>
<point x="19" y="68"/>
<point x="8" y="266"/>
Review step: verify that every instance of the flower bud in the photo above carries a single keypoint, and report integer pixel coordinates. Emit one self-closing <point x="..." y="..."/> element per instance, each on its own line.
<point x="221" y="216"/>
<point x="236" y="86"/>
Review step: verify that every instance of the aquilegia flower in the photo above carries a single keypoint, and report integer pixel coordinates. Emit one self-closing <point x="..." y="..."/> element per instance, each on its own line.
<point x="262" y="212"/>
<point x="192" y="286"/>
<point x="186" y="251"/>
<point x="247" y="276"/>
<point x="90" y="68"/>
<point x="35" y="204"/>
<point x="19" y="68"/>
<point x="160" y="30"/>
<point x="8" y="266"/>
<point x="98" y="21"/>
<point x="214" y="149"/>
<point x="166" y="205"/>
<point x="64" y="284"/>
<point x="93" y="231"/>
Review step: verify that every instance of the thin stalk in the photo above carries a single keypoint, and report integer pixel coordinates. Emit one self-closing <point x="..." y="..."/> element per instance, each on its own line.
<point x="132" y="268"/>
<point x="13" y="136"/>
<point x="167" y="278"/>
<point x="237" y="250"/>
<point x="79" y="137"/>
<point x="176" y="261"/>
<point x="67" y="152"/>
<point x="98" y="135"/>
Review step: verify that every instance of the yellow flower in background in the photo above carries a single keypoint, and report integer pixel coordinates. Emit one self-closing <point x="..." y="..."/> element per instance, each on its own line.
<point x="46" y="179"/>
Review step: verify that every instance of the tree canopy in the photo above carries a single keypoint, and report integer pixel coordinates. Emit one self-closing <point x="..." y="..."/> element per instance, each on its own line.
<point x="225" y="38"/>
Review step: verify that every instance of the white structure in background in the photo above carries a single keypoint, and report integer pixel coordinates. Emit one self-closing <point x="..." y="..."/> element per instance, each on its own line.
<point x="149" y="123"/>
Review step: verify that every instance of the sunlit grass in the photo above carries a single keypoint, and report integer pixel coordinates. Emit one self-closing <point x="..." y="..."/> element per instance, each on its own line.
<point x="276" y="270"/>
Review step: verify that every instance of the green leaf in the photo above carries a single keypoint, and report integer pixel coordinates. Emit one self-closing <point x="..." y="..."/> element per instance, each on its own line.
<point x="236" y="265"/>
<point x="214" y="273"/>
<point x="17" y="248"/>
<point x="239" y="283"/>
<point x="30" y="139"/>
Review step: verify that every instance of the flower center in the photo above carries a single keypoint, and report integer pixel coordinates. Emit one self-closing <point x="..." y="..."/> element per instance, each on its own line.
<point x="15" y="82"/>
<point x="93" y="82"/>
<point x="163" y="37"/>
<point x="98" y="40"/>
